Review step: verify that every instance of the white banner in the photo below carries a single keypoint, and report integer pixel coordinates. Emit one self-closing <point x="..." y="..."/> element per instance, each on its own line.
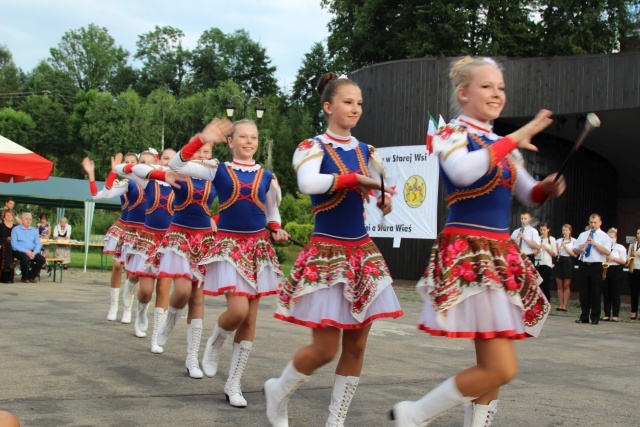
<point x="415" y="174"/>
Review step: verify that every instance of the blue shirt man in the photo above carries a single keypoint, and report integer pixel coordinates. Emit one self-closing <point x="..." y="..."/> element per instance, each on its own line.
<point x="26" y="245"/>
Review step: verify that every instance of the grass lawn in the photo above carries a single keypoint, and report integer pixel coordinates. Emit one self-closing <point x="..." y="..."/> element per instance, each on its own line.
<point x="93" y="261"/>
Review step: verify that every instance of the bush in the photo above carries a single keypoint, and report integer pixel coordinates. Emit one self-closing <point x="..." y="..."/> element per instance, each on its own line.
<point x="296" y="209"/>
<point x="299" y="232"/>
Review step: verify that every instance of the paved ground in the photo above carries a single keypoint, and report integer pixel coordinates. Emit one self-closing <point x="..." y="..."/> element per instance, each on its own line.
<point x="63" y="364"/>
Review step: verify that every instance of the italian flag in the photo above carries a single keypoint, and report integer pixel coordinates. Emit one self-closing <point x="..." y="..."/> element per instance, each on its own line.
<point x="432" y="127"/>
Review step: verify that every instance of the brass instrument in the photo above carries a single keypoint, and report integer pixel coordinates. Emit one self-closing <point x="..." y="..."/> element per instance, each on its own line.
<point x="605" y="267"/>
<point x="631" y="257"/>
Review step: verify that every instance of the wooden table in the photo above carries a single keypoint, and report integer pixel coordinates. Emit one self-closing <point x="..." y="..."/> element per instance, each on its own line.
<point x="47" y="242"/>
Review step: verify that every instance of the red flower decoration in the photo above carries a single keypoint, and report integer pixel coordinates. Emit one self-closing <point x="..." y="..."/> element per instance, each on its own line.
<point x="461" y="245"/>
<point x="511" y="284"/>
<point x="529" y="316"/>
<point x="469" y="276"/>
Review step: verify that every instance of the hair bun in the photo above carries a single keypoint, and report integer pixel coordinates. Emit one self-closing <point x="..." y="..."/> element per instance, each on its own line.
<point x="457" y="65"/>
<point x="324" y="80"/>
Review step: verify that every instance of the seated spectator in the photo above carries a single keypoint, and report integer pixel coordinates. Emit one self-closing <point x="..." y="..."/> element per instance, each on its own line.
<point x="6" y="252"/>
<point x="26" y="245"/>
<point x="62" y="231"/>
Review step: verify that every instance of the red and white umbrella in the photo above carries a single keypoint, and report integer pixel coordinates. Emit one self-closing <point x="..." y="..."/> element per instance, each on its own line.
<point x="21" y="164"/>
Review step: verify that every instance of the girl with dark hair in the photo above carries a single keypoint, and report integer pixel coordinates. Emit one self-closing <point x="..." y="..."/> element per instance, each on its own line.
<point x="340" y="283"/>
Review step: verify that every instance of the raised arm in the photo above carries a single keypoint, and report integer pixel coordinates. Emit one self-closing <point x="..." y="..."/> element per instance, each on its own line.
<point x="126" y="171"/>
<point x="203" y="169"/>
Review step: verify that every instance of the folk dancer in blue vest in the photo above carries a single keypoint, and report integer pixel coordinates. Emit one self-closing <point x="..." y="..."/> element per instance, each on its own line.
<point x="114" y="233"/>
<point x="479" y="284"/>
<point x="340" y="282"/>
<point x="187" y="242"/>
<point x="242" y="264"/>
<point x="143" y="259"/>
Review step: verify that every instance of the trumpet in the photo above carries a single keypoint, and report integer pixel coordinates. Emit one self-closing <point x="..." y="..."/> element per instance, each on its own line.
<point x="605" y="267"/>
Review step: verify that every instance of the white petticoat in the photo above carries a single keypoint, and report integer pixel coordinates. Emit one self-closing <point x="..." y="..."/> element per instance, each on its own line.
<point x="328" y="307"/>
<point x="221" y="277"/>
<point x="487" y="314"/>
<point x="172" y="264"/>
<point x="110" y="243"/>
<point x="138" y="266"/>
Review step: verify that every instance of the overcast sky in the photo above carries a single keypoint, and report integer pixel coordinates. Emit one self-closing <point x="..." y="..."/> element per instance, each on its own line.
<point x="286" y="28"/>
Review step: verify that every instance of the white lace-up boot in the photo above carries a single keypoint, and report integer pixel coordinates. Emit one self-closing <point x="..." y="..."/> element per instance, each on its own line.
<point x="127" y="300"/>
<point x="212" y="351"/>
<point x="113" y="308"/>
<point x="158" y="320"/>
<point x="194" y="335"/>
<point x="277" y="392"/>
<point x="169" y="323"/>
<point x="421" y="412"/>
<point x="239" y="359"/>
<point x="480" y="415"/>
<point x="343" y="390"/>
<point x="142" y="323"/>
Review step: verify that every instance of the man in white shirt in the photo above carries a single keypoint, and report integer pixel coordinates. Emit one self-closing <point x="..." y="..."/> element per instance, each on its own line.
<point x="596" y="245"/>
<point x="527" y="237"/>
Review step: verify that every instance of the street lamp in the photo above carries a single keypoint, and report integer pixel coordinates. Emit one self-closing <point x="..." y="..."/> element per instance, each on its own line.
<point x="245" y="102"/>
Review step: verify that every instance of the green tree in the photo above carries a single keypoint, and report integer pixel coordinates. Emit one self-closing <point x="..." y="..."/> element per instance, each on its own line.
<point x="17" y="126"/>
<point x="160" y="106"/>
<point x="90" y="56"/>
<point x="304" y="93"/>
<point x="57" y="84"/>
<point x="111" y="125"/>
<point x="575" y="28"/>
<point x="165" y="61"/>
<point x="9" y="75"/>
<point x="50" y="134"/>
<point x="219" y="57"/>
<point x="364" y="32"/>
<point x="207" y="60"/>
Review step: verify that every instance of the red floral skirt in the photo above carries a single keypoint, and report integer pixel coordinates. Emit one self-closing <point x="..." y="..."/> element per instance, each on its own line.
<point x="188" y="249"/>
<point x="478" y="287"/>
<point x="244" y="265"/>
<point x="357" y="276"/>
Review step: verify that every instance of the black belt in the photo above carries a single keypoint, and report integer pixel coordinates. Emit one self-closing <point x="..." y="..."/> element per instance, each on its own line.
<point x="589" y="263"/>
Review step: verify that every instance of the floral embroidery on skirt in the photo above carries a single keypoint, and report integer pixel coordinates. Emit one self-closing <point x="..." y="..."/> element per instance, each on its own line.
<point x="321" y="265"/>
<point x="193" y="245"/>
<point x="128" y="237"/>
<point x="248" y="255"/>
<point x="116" y="230"/>
<point x="146" y="245"/>
<point x="460" y="264"/>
